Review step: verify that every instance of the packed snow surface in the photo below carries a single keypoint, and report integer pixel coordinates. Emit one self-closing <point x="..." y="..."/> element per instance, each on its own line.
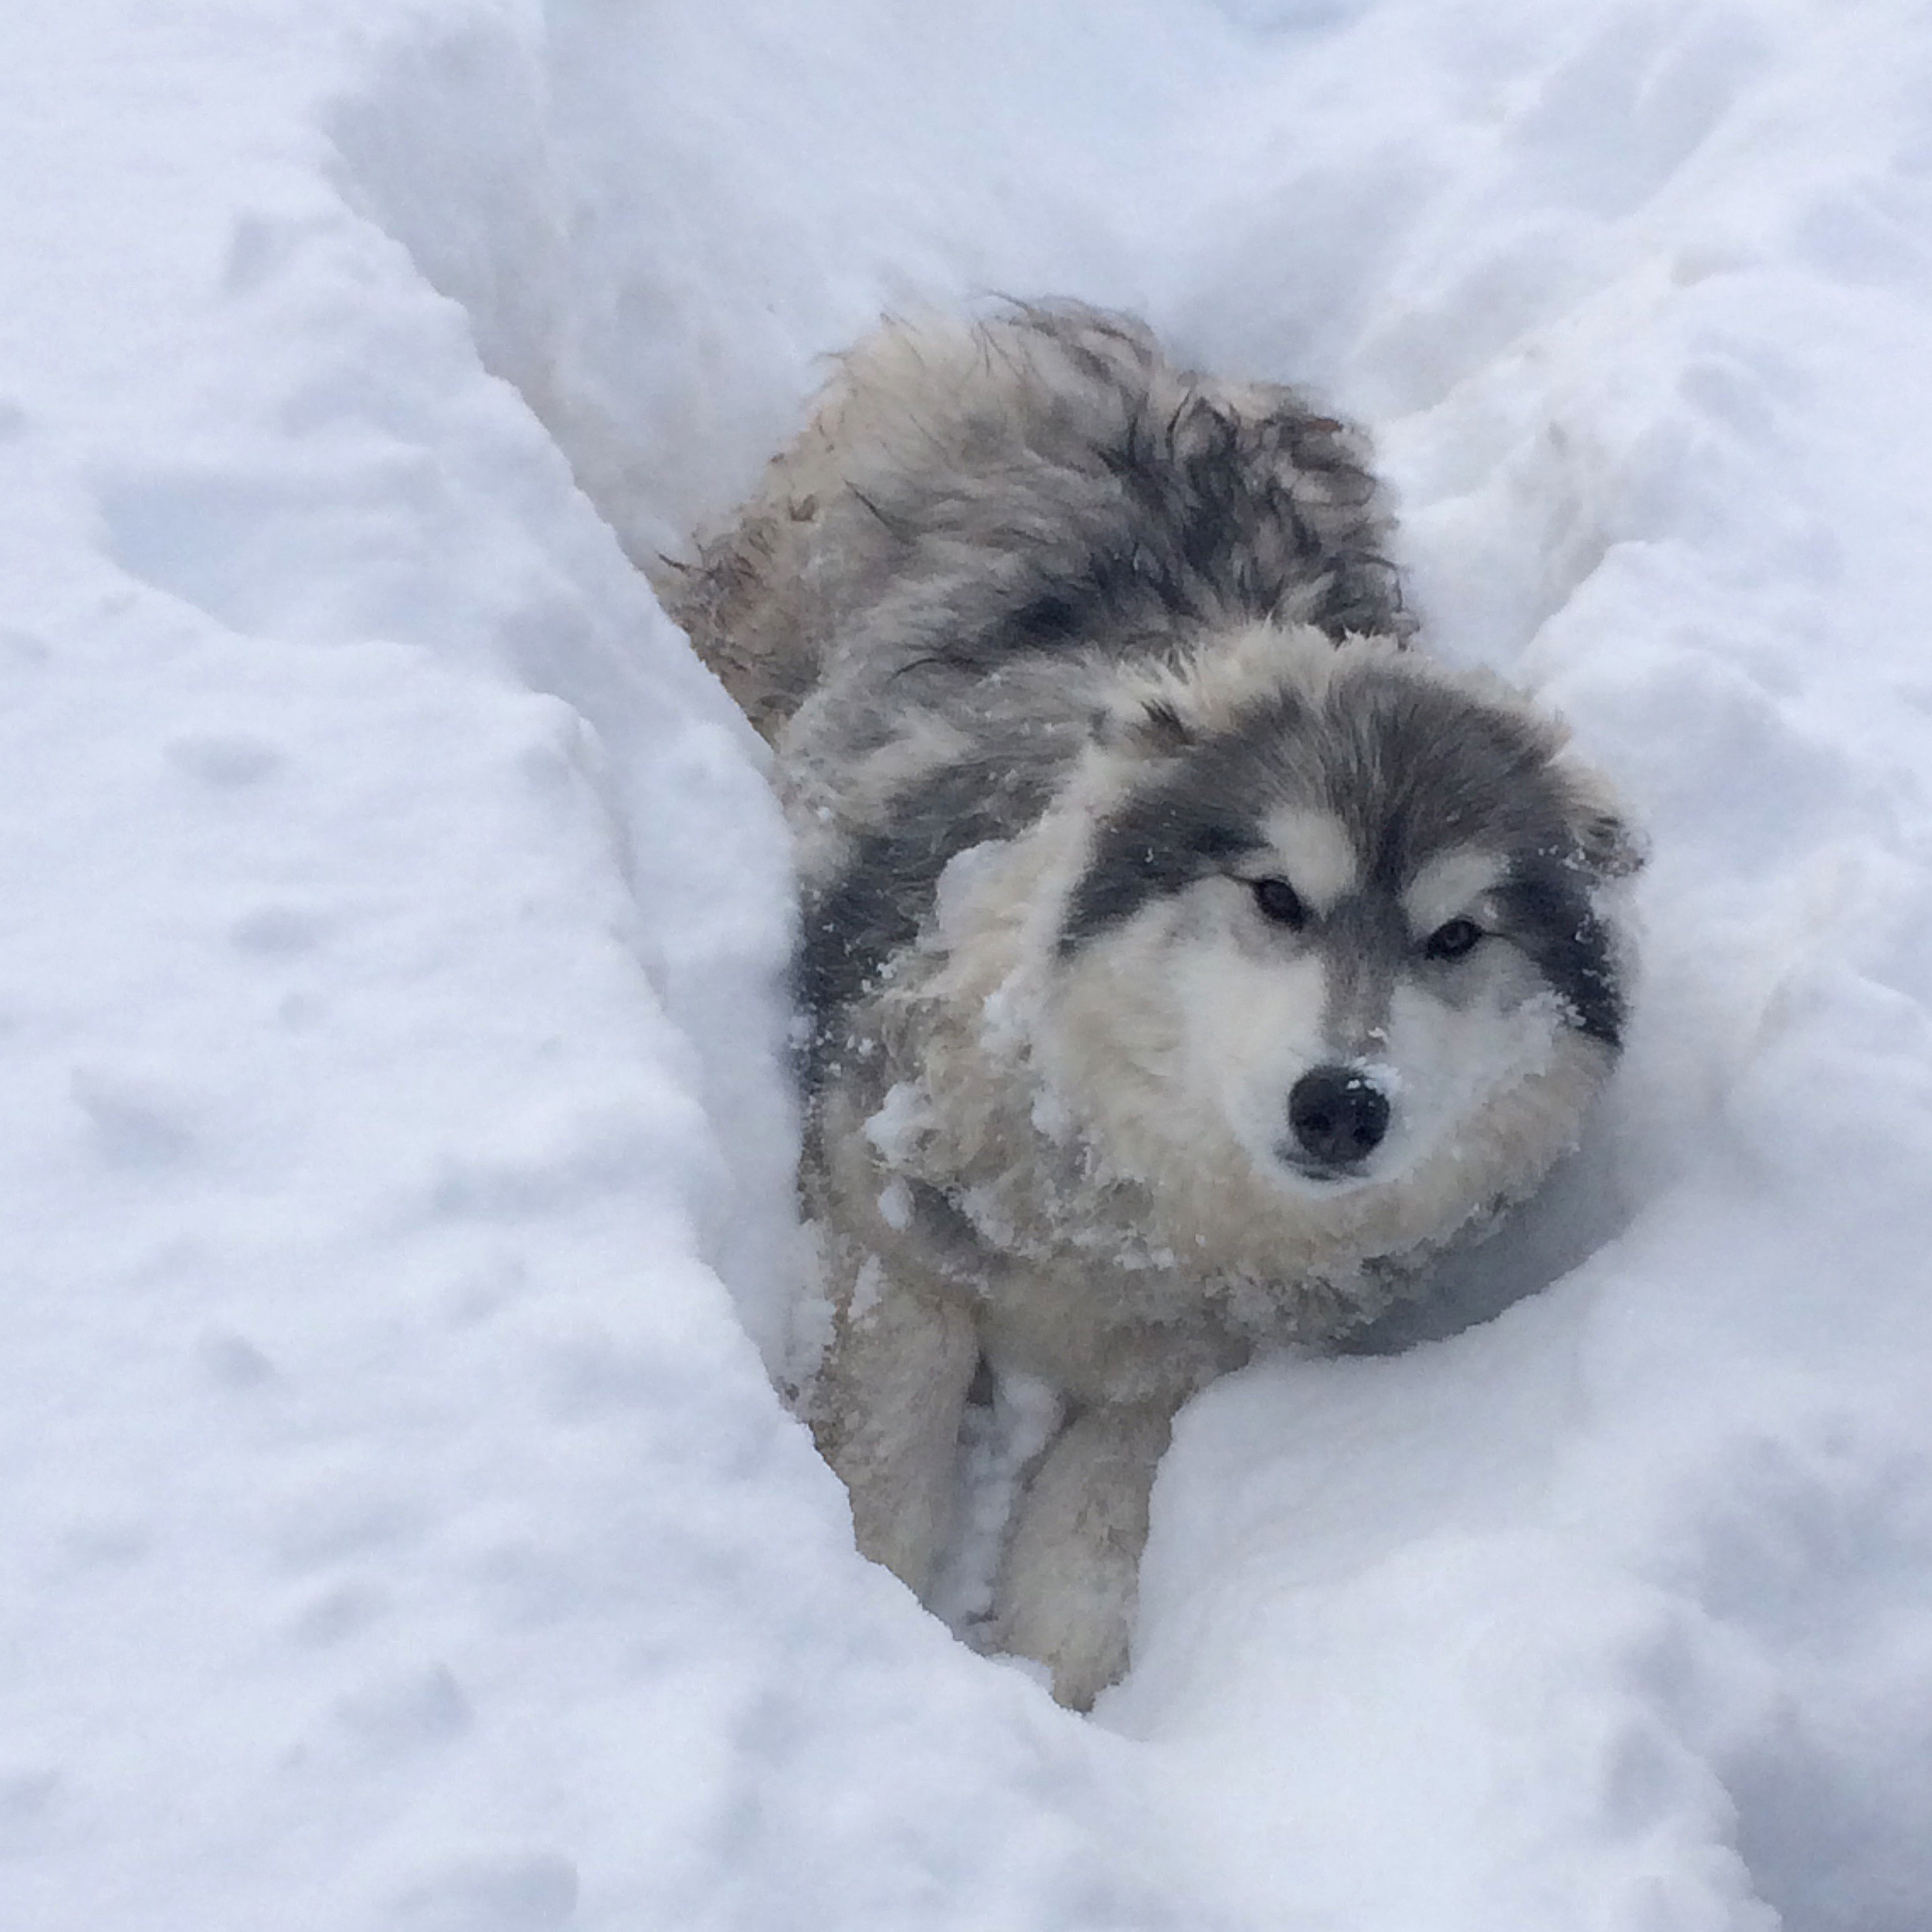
<point x="399" y="1528"/>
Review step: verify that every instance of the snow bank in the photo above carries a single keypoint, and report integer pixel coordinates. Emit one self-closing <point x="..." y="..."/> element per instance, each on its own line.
<point x="401" y="1530"/>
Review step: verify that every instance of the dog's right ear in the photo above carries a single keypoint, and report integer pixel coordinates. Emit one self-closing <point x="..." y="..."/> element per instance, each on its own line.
<point x="1612" y="847"/>
<point x="1146" y="728"/>
<point x="1608" y="845"/>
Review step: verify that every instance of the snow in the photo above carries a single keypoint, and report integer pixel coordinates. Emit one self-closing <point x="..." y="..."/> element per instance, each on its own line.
<point x="400" y="1529"/>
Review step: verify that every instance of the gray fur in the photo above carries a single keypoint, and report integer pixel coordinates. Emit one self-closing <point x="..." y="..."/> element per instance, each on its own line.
<point x="1063" y="490"/>
<point x="1121" y="810"/>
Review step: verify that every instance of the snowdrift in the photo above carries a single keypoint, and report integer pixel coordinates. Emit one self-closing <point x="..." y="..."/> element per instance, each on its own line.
<point x="401" y="1530"/>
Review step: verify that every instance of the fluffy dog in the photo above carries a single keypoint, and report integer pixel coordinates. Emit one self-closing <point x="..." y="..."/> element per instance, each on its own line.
<point x="1184" y="961"/>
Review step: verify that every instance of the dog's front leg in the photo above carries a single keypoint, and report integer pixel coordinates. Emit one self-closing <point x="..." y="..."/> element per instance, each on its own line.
<point x="1067" y="1585"/>
<point x="886" y="1409"/>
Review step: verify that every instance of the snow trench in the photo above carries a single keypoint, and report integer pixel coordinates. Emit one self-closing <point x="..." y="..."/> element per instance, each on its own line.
<point x="1599" y="1615"/>
<point x="405" y="1533"/>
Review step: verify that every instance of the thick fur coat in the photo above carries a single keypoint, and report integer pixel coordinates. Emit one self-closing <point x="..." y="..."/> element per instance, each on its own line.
<point x="1184" y="960"/>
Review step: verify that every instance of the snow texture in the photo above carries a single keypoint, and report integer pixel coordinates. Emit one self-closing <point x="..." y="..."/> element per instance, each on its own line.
<point x="400" y="1529"/>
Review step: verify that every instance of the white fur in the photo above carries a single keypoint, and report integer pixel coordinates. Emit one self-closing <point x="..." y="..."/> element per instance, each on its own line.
<point x="1451" y="886"/>
<point x="1312" y="851"/>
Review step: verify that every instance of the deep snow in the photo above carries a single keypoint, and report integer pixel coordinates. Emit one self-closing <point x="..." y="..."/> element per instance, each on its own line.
<point x="399" y="1530"/>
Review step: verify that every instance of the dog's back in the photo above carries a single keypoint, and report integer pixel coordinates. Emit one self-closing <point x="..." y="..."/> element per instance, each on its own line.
<point x="969" y="496"/>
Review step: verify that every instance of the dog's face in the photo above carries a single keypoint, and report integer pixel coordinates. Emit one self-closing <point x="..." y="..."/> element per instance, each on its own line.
<point x="1345" y="929"/>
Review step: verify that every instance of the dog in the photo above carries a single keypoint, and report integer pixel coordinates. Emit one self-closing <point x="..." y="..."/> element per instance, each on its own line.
<point x="1185" y="961"/>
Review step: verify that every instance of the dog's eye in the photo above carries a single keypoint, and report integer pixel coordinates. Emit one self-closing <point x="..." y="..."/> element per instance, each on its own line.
<point x="1452" y="941"/>
<point x="1280" y="902"/>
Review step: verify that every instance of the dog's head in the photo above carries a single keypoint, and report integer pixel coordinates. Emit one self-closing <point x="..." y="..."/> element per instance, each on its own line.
<point x="1340" y="915"/>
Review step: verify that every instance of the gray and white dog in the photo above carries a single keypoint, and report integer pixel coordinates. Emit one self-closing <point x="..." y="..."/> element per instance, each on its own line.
<point x="1185" y="961"/>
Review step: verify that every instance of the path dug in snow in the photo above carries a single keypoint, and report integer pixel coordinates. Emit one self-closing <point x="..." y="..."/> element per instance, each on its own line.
<point x="401" y="1530"/>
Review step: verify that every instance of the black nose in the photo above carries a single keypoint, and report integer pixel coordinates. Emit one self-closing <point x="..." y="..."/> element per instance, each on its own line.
<point x="1338" y="1116"/>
